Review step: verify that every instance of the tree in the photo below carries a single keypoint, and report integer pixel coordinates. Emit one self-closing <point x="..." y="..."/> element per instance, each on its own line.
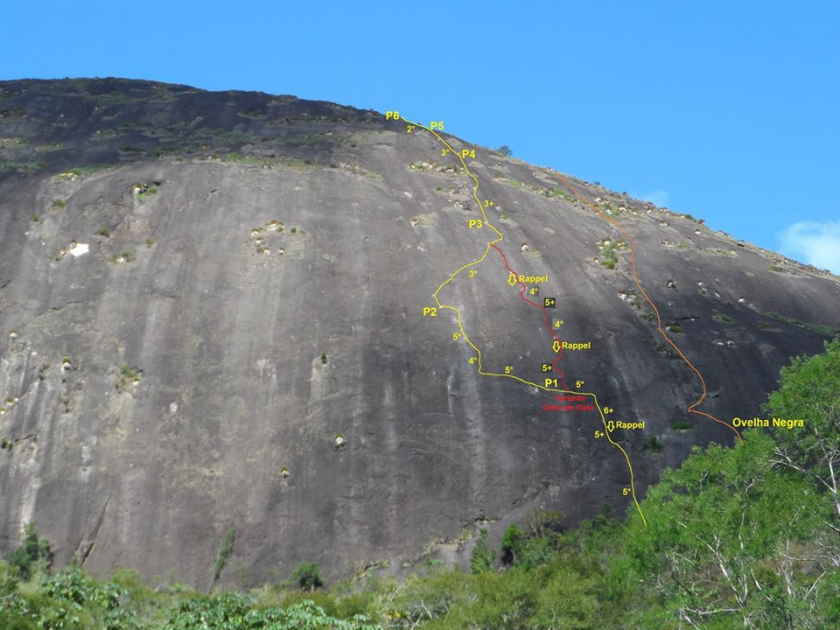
<point x="505" y="150"/>
<point x="482" y="556"/>
<point x="810" y="391"/>
<point x="33" y="549"/>
<point x="308" y="576"/>
<point x="731" y="541"/>
<point x="511" y="544"/>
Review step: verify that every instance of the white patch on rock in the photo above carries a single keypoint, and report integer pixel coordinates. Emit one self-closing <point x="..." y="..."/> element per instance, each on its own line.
<point x="79" y="249"/>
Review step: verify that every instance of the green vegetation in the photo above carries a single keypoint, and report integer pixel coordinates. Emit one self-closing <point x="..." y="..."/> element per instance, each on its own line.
<point x="305" y="139"/>
<point x="35" y="218"/>
<point x="103" y="231"/>
<point x="715" y="251"/>
<point x="254" y="113"/>
<point x="652" y="443"/>
<point x="724" y="319"/>
<point x="173" y="150"/>
<point x="13" y="143"/>
<point x="551" y="193"/>
<point x="483" y="557"/>
<point x="46" y="148"/>
<point x="308" y="576"/>
<point x="124" y="257"/>
<point x="820" y="329"/>
<point x="23" y="167"/>
<point x="683" y="425"/>
<point x="149" y="242"/>
<point x="245" y="159"/>
<point x="558" y="192"/>
<point x="512" y="182"/>
<point x="130" y="372"/>
<point x="324" y="358"/>
<point x="71" y="600"/>
<point x="766" y="326"/>
<point x="144" y="191"/>
<point x="608" y="248"/>
<point x="511" y="544"/>
<point x="810" y="389"/>
<point x="113" y="97"/>
<point x="666" y="350"/>
<point x="267" y="162"/>
<point x="434" y="166"/>
<point x="505" y="150"/>
<point x="33" y="555"/>
<point x="224" y="554"/>
<point x="736" y="537"/>
<point x="73" y="173"/>
<point x="128" y="376"/>
<point x="674" y="328"/>
<point x="59" y="203"/>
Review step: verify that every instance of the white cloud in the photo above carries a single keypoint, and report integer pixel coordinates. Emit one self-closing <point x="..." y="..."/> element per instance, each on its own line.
<point x="658" y="197"/>
<point x="817" y="243"/>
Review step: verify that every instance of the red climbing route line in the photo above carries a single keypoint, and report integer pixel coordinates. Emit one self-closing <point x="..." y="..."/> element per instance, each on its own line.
<point x="546" y="318"/>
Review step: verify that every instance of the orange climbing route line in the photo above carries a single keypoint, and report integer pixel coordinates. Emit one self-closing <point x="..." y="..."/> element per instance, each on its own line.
<point x="692" y="408"/>
<point x="493" y="245"/>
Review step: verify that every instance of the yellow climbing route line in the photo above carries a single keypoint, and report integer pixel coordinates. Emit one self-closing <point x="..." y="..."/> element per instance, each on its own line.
<point x="500" y="237"/>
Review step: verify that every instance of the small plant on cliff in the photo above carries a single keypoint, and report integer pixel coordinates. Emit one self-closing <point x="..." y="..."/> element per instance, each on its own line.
<point x="308" y="576"/>
<point x="608" y="249"/>
<point x="224" y="554"/>
<point x="128" y="376"/>
<point x="652" y="443"/>
<point x="144" y="191"/>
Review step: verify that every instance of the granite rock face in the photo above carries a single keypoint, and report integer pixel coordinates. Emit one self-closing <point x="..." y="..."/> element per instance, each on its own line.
<point x="211" y="309"/>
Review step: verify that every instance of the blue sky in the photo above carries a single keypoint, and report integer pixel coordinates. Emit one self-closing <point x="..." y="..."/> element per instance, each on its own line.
<point x="726" y="110"/>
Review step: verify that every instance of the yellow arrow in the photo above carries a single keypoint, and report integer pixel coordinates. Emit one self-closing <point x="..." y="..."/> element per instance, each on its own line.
<point x="511" y="279"/>
<point x="556" y="346"/>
